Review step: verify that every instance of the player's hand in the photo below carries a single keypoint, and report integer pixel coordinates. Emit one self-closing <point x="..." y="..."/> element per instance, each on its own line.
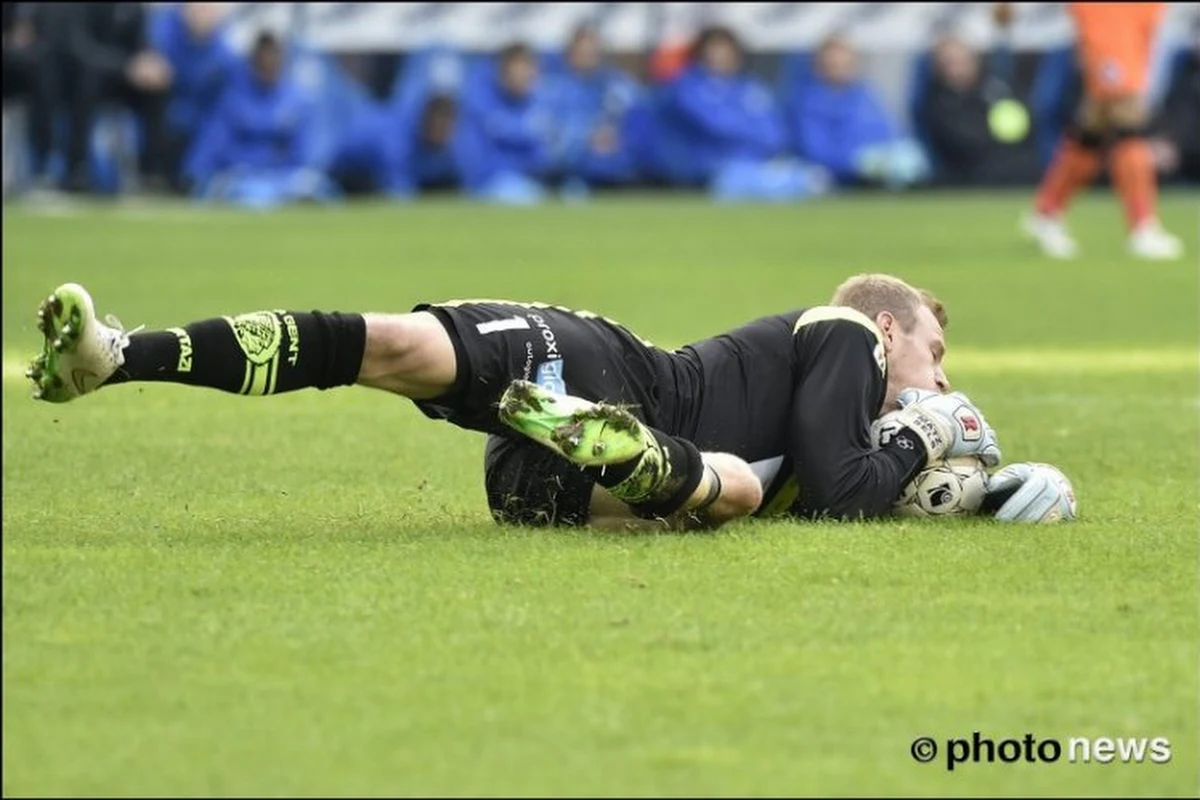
<point x="949" y="425"/>
<point x="149" y="71"/>
<point x="1030" y="492"/>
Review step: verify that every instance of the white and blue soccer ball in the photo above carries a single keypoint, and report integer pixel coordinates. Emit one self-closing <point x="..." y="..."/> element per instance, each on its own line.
<point x="952" y="487"/>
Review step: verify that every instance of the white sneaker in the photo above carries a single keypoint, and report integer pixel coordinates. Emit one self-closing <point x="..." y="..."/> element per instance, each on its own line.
<point x="79" y="352"/>
<point x="1149" y="240"/>
<point x="1051" y="235"/>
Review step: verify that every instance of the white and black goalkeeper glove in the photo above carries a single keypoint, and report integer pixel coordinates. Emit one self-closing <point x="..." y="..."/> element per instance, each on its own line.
<point x="1030" y="492"/>
<point x="949" y="425"/>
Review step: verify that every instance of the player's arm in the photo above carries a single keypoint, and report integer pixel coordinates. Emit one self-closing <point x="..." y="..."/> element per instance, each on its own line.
<point x="840" y="392"/>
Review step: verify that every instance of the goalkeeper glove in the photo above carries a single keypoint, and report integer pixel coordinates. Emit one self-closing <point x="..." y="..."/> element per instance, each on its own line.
<point x="949" y="426"/>
<point x="1029" y="492"/>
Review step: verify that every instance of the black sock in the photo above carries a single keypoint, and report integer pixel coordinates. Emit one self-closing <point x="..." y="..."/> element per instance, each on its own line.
<point x="612" y="474"/>
<point x="683" y="473"/>
<point x="264" y="352"/>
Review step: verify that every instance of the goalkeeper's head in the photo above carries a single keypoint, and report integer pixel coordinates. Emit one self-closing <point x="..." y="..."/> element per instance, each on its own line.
<point x="912" y="325"/>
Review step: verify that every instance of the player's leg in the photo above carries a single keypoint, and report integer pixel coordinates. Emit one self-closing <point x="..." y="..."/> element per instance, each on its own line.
<point x="1080" y="153"/>
<point x="453" y="361"/>
<point x="528" y="484"/>
<point x="655" y="475"/>
<point x="1074" y="167"/>
<point x="418" y="355"/>
<point x="1131" y="163"/>
<point x="728" y="491"/>
<point x="259" y="353"/>
<point x="411" y="355"/>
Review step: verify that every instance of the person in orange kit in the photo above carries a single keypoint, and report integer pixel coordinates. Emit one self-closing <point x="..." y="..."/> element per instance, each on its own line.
<point x="1115" y="44"/>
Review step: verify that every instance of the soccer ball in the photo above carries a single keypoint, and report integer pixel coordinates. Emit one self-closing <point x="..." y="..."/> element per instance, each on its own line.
<point x="953" y="486"/>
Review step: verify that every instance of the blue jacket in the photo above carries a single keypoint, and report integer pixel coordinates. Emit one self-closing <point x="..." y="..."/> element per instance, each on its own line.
<point x="831" y="124"/>
<point x="511" y="134"/>
<point x="202" y="68"/>
<point x="255" y="127"/>
<point x="410" y="164"/>
<point x="581" y="103"/>
<point x="716" y="120"/>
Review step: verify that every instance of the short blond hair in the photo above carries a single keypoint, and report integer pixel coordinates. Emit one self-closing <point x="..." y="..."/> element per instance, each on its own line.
<point x="875" y="292"/>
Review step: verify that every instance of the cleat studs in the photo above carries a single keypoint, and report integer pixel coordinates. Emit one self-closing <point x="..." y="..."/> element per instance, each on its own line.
<point x="37" y="394"/>
<point x="66" y="329"/>
<point x="58" y="345"/>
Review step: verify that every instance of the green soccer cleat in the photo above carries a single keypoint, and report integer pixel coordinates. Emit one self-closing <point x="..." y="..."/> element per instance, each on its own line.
<point x="79" y="352"/>
<point x="588" y="434"/>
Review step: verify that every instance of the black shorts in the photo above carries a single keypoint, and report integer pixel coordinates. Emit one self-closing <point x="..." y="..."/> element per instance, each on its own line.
<point x="528" y="484"/>
<point x="566" y="351"/>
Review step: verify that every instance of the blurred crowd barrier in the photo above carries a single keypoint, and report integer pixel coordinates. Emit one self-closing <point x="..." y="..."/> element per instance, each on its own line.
<point x="259" y="104"/>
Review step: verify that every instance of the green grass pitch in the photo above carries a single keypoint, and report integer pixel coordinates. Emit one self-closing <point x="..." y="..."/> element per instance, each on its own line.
<point x="210" y="594"/>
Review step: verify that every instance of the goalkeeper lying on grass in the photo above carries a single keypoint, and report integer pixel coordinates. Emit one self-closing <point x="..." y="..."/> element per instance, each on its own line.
<point x="587" y="423"/>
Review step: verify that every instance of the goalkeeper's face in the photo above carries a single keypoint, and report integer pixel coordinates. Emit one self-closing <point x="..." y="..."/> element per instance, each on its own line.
<point x="914" y="356"/>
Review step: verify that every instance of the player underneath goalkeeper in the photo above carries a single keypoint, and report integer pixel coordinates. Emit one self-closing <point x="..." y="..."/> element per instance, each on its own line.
<point x="588" y="423"/>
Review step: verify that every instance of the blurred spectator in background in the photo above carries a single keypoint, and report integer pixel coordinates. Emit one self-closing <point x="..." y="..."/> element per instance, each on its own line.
<point x="672" y="56"/>
<point x="589" y="101"/>
<point x="955" y="116"/>
<point x="416" y="140"/>
<point x="839" y="123"/>
<point x="722" y="128"/>
<point x="258" y="149"/>
<point x="431" y="154"/>
<point x="29" y="77"/>
<point x="192" y="38"/>
<point x="1176" y="144"/>
<point x="507" y="115"/>
<point x="107" y="60"/>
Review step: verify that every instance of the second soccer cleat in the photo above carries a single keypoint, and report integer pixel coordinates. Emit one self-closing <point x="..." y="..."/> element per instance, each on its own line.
<point x="79" y="352"/>
<point x="589" y="434"/>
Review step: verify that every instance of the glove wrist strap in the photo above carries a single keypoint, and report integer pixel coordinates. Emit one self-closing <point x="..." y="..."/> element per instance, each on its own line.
<point x="927" y="430"/>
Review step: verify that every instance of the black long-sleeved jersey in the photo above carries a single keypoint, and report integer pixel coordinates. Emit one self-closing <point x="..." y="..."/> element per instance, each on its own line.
<point x="795" y="395"/>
